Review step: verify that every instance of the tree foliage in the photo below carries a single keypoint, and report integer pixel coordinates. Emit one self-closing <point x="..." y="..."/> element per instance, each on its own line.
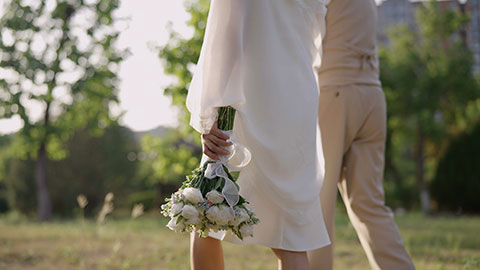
<point x="428" y="79"/>
<point x="179" y="152"/>
<point x="173" y="157"/>
<point x="181" y="54"/>
<point x="95" y="166"/>
<point x="457" y="180"/>
<point x="60" y="59"/>
<point x="57" y="57"/>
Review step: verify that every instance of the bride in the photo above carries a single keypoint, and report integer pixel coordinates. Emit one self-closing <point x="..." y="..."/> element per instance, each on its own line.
<point x="259" y="56"/>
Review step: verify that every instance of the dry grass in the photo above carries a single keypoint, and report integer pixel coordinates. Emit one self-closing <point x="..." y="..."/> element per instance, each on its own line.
<point x="145" y="243"/>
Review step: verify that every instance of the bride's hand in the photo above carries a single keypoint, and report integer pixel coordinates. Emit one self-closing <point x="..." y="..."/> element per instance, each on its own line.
<point x="214" y="141"/>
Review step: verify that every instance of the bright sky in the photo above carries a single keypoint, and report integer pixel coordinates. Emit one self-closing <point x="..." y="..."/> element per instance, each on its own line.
<point x="143" y="81"/>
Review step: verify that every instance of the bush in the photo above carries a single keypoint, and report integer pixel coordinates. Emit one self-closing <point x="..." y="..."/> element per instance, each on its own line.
<point x="95" y="166"/>
<point x="147" y="198"/>
<point x="456" y="186"/>
<point x="20" y="183"/>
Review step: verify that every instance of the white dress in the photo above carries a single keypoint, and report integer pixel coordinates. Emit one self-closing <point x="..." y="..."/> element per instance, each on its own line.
<point x="259" y="56"/>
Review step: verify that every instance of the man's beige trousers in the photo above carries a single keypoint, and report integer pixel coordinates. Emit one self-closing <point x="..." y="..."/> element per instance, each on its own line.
<point x="353" y="125"/>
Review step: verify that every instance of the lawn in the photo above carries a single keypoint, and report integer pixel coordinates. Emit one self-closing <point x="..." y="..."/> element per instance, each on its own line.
<point x="434" y="242"/>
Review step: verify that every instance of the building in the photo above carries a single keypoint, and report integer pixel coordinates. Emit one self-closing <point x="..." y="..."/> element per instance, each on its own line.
<point x="391" y="13"/>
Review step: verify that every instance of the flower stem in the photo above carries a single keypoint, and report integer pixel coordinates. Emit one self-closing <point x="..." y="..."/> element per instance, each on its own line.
<point x="226" y="116"/>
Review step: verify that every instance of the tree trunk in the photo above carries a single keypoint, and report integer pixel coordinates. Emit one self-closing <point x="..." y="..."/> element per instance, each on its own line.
<point x="44" y="206"/>
<point x="420" y="173"/>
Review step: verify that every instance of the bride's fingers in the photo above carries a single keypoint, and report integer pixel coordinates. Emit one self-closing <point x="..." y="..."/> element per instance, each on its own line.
<point x="209" y="153"/>
<point x="214" y="148"/>
<point x="219" y="141"/>
<point x="214" y="139"/>
<point x="215" y="131"/>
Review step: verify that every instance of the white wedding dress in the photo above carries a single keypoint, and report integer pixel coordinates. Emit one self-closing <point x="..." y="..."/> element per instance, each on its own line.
<point x="258" y="56"/>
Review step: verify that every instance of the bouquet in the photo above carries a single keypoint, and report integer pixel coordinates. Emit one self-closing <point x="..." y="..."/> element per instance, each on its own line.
<point x="209" y="198"/>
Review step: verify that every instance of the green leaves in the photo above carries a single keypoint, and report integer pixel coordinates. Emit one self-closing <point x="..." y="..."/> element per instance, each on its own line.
<point x="429" y="84"/>
<point x="178" y="153"/>
<point x="180" y="54"/>
<point x="172" y="157"/>
<point x="49" y="38"/>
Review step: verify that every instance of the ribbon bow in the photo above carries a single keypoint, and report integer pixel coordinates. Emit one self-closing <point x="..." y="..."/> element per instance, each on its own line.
<point x="238" y="158"/>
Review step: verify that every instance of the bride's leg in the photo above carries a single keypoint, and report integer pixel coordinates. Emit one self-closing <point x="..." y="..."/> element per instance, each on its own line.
<point x="205" y="253"/>
<point x="291" y="260"/>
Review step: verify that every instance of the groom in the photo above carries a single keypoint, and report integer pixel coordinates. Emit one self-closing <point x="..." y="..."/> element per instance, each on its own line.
<point x="352" y="119"/>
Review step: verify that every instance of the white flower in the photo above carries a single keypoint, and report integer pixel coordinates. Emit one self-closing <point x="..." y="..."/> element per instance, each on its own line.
<point x="189" y="212"/>
<point x="212" y="213"/>
<point x="215" y="196"/>
<point x="175" y="227"/>
<point x="225" y="215"/>
<point x="193" y="195"/>
<point x="176" y="208"/>
<point x="194" y="221"/>
<point x="246" y="230"/>
<point x="241" y="215"/>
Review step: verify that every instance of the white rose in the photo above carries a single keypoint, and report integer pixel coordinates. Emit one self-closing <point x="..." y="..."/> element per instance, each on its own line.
<point x="175" y="227"/>
<point x="194" y="221"/>
<point x="241" y="215"/>
<point x="189" y="212"/>
<point x="225" y="215"/>
<point x="176" y="208"/>
<point x="246" y="230"/>
<point x="177" y="196"/>
<point x="193" y="195"/>
<point x="215" y="196"/>
<point x="212" y="213"/>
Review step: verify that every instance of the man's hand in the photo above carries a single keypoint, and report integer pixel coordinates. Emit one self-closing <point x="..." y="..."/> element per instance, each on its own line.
<point x="213" y="143"/>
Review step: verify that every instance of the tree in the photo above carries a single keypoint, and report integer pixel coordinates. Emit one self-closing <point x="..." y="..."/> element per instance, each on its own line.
<point x="457" y="181"/>
<point x="172" y="157"/>
<point x="177" y="154"/>
<point x="5" y="141"/>
<point x="180" y="54"/>
<point x="59" y="58"/>
<point x="95" y="166"/>
<point x="428" y="80"/>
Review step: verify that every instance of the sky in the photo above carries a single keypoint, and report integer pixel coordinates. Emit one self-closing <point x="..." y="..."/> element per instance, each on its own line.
<point x="141" y="74"/>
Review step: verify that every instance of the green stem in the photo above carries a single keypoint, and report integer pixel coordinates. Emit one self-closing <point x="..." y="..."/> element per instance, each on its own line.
<point x="226" y="116"/>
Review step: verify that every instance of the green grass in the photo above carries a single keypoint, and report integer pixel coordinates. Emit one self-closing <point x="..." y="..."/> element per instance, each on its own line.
<point x="435" y="243"/>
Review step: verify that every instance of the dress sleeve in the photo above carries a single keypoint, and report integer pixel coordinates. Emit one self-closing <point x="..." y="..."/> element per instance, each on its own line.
<point x="215" y="80"/>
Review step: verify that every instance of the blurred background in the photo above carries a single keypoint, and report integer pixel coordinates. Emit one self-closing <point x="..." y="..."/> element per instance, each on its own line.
<point x="94" y="132"/>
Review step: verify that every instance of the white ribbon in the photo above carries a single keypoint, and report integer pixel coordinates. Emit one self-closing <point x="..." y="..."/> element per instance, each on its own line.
<point x="238" y="158"/>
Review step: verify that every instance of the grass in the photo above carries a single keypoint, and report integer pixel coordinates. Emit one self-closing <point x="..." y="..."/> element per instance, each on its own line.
<point x="439" y="243"/>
